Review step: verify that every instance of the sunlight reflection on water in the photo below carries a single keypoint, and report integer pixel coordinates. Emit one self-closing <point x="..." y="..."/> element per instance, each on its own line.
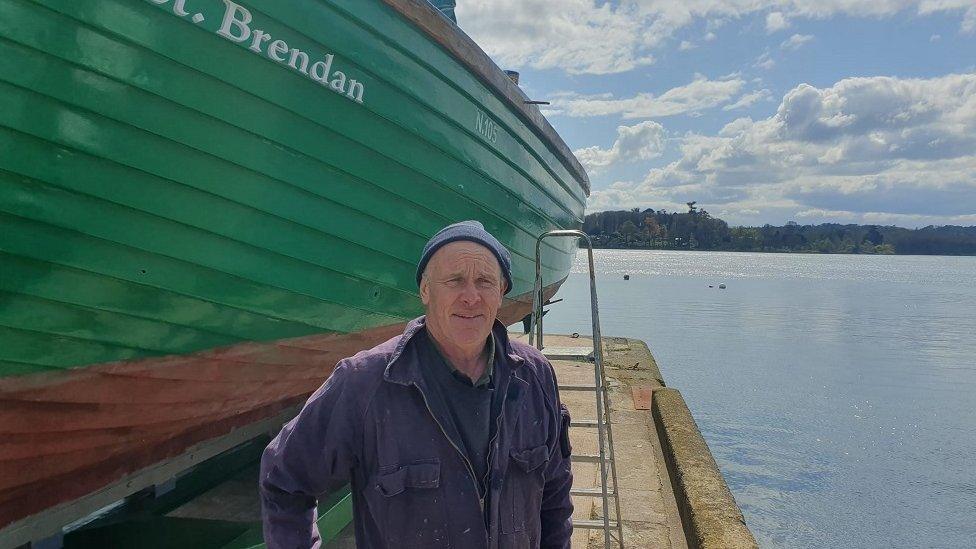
<point x="836" y="392"/>
<point x="789" y="266"/>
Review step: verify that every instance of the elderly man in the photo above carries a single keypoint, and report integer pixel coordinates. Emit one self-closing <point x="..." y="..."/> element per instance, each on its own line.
<point x="450" y="434"/>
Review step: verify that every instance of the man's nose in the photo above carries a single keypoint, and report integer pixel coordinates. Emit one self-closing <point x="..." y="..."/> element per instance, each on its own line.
<point x="469" y="294"/>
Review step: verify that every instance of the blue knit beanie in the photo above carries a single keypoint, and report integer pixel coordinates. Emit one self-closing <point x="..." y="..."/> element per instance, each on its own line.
<point x="471" y="231"/>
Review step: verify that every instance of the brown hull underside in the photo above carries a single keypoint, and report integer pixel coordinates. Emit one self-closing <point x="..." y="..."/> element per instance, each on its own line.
<point x="65" y="435"/>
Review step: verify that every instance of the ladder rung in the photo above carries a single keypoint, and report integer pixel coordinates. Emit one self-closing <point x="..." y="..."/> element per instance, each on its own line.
<point x="577" y="388"/>
<point x="584" y="458"/>
<point x="593" y="492"/>
<point x="592" y="524"/>
<point x="585" y="423"/>
<point x="569" y="353"/>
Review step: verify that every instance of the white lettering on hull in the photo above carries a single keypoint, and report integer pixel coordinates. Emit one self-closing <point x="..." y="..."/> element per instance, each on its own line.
<point x="487" y="127"/>
<point x="237" y="25"/>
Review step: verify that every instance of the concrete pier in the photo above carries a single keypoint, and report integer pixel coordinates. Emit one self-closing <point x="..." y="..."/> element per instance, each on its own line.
<point x="672" y="494"/>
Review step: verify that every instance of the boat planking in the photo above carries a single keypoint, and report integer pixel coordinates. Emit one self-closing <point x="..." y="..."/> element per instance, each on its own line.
<point x="197" y="223"/>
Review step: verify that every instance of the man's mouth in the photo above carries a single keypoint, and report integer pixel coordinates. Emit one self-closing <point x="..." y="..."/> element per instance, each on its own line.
<point x="467" y="316"/>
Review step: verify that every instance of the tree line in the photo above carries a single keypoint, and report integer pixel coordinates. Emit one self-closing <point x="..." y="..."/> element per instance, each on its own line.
<point x="697" y="230"/>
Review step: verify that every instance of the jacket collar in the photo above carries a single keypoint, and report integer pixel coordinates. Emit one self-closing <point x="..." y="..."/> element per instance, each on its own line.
<point x="403" y="371"/>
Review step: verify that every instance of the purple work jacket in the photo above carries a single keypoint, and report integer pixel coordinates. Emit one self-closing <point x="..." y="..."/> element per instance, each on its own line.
<point x="371" y="423"/>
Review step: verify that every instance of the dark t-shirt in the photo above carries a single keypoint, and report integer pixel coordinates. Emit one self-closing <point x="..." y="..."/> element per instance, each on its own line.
<point x="466" y="405"/>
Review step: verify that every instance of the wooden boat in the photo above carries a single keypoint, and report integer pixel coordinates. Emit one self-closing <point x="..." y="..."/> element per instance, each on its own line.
<point x="204" y="204"/>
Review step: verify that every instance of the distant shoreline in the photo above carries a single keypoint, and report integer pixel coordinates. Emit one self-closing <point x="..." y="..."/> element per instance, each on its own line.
<point x="696" y="229"/>
<point x="774" y="252"/>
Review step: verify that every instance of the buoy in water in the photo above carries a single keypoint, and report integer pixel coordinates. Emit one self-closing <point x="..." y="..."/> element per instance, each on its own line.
<point x="721" y="286"/>
<point x="626" y="277"/>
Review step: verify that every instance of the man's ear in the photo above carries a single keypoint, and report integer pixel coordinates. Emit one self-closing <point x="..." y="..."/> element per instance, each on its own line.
<point x="424" y="289"/>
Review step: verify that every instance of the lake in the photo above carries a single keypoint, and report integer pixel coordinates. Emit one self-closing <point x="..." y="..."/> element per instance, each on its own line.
<point x="836" y="392"/>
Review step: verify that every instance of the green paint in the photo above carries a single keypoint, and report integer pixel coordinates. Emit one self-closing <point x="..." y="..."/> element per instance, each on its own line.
<point x="164" y="189"/>
<point x="334" y="515"/>
<point x="143" y="520"/>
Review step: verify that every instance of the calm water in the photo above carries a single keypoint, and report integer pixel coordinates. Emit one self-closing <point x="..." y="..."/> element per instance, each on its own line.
<point x="837" y="393"/>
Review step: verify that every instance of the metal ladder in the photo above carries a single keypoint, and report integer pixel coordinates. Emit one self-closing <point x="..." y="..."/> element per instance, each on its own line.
<point x="605" y="459"/>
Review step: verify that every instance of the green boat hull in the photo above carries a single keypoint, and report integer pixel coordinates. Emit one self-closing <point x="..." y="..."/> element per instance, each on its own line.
<point x="196" y="221"/>
<point x="164" y="189"/>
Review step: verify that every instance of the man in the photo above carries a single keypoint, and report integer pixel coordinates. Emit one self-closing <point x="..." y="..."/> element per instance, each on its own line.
<point x="450" y="434"/>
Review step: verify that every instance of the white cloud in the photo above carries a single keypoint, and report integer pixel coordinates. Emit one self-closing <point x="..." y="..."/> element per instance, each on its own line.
<point x="710" y="37"/>
<point x="776" y="22"/>
<point x="699" y="94"/>
<point x="578" y="36"/>
<point x="969" y="21"/>
<point x="686" y="45"/>
<point x="935" y="38"/>
<point x="623" y="196"/>
<point x="816" y="215"/>
<point x="876" y="148"/>
<point x="764" y="62"/>
<point x="598" y="37"/>
<point x="642" y="141"/>
<point x="748" y="100"/>
<point x="796" y="41"/>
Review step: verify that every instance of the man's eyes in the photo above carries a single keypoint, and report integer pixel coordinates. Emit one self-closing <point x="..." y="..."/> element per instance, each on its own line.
<point x="481" y="282"/>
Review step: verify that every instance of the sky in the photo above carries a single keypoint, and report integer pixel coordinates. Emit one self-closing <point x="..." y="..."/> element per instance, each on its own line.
<point x="762" y="111"/>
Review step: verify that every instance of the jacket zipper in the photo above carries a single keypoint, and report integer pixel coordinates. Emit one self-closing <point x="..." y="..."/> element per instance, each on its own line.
<point x="491" y="448"/>
<point x="467" y="462"/>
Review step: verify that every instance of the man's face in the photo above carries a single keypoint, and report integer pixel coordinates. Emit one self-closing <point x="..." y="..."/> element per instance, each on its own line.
<point x="462" y="290"/>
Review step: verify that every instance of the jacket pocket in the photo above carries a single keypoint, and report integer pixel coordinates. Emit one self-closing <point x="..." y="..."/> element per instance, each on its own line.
<point x="408" y="505"/>
<point x="416" y="475"/>
<point x="522" y="490"/>
<point x="531" y="459"/>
